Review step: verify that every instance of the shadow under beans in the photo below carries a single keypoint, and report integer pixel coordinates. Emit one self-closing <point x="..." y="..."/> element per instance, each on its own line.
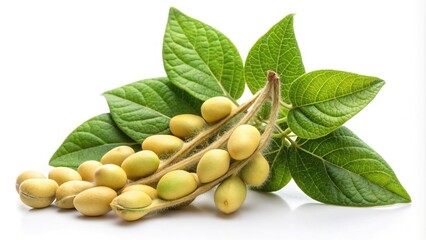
<point x="257" y="205"/>
<point x="175" y="213"/>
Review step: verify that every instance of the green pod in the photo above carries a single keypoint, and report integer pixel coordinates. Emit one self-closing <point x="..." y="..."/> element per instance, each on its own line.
<point x="186" y="125"/>
<point x="162" y="145"/>
<point x="216" y="108"/>
<point x="243" y="141"/>
<point x="213" y="165"/>
<point x="256" y="171"/>
<point x="230" y="195"/>
<point x="38" y="193"/>
<point x="128" y="204"/>
<point x="176" y="184"/>
<point x="140" y="164"/>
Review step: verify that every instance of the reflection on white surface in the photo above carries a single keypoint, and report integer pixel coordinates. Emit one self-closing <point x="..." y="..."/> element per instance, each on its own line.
<point x="262" y="216"/>
<point x="344" y="222"/>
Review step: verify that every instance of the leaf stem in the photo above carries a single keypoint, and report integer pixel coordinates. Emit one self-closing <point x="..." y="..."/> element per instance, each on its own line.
<point x="286" y="105"/>
<point x="283" y="134"/>
<point x="281" y="120"/>
<point x="291" y="140"/>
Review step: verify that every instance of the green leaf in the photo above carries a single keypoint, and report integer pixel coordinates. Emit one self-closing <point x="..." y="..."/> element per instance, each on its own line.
<point x="341" y="169"/>
<point x="277" y="50"/>
<point x="324" y="100"/>
<point x="279" y="175"/>
<point x="90" y="141"/>
<point x="200" y="59"/>
<point x="144" y="108"/>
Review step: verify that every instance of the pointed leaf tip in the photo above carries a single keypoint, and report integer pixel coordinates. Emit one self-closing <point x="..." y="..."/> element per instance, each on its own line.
<point x="201" y="60"/>
<point x="276" y="50"/>
<point x="341" y="169"/>
<point x="324" y="100"/>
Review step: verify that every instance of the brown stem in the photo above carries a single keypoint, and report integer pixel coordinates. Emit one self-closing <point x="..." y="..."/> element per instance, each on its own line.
<point x="193" y="159"/>
<point x="201" y="137"/>
<point x="237" y="165"/>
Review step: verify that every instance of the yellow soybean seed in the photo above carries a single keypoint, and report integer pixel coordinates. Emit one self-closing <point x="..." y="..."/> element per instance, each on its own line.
<point x="140" y="164"/>
<point x="196" y="178"/>
<point x="128" y="204"/>
<point x="212" y="165"/>
<point x="152" y="192"/>
<point x="256" y="171"/>
<point x="66" y="192"/>
<point x="133" y="199"/>
<point x="216" y="108"/>
<point x="94" y="201"/>
<point x="230" y="195"/>
<point x="37" y="193"/>
<point x="176" y="184"/>
<point x="243" y="141"/>
<point x="87" y="170"/>
<point x="110" y="175"/>
<point x="186" y="125"/>
<point x="27" y="175"/>
<point x="63" y="174"/>
<point x="117" y="155"/>
<point x="162" y="145"/>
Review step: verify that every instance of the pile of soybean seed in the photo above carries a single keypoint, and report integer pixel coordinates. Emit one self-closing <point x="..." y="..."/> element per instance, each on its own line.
<point x="98" y="187"/>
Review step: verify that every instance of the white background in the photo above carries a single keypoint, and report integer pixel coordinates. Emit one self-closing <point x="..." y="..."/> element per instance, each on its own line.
<point x="57" y="57"/>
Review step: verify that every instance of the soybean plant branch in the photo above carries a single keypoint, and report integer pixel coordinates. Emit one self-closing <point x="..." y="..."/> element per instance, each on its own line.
<point x="200" y="138"/>
<point x="238" y="165"/>
<point x="257" y="102"/>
